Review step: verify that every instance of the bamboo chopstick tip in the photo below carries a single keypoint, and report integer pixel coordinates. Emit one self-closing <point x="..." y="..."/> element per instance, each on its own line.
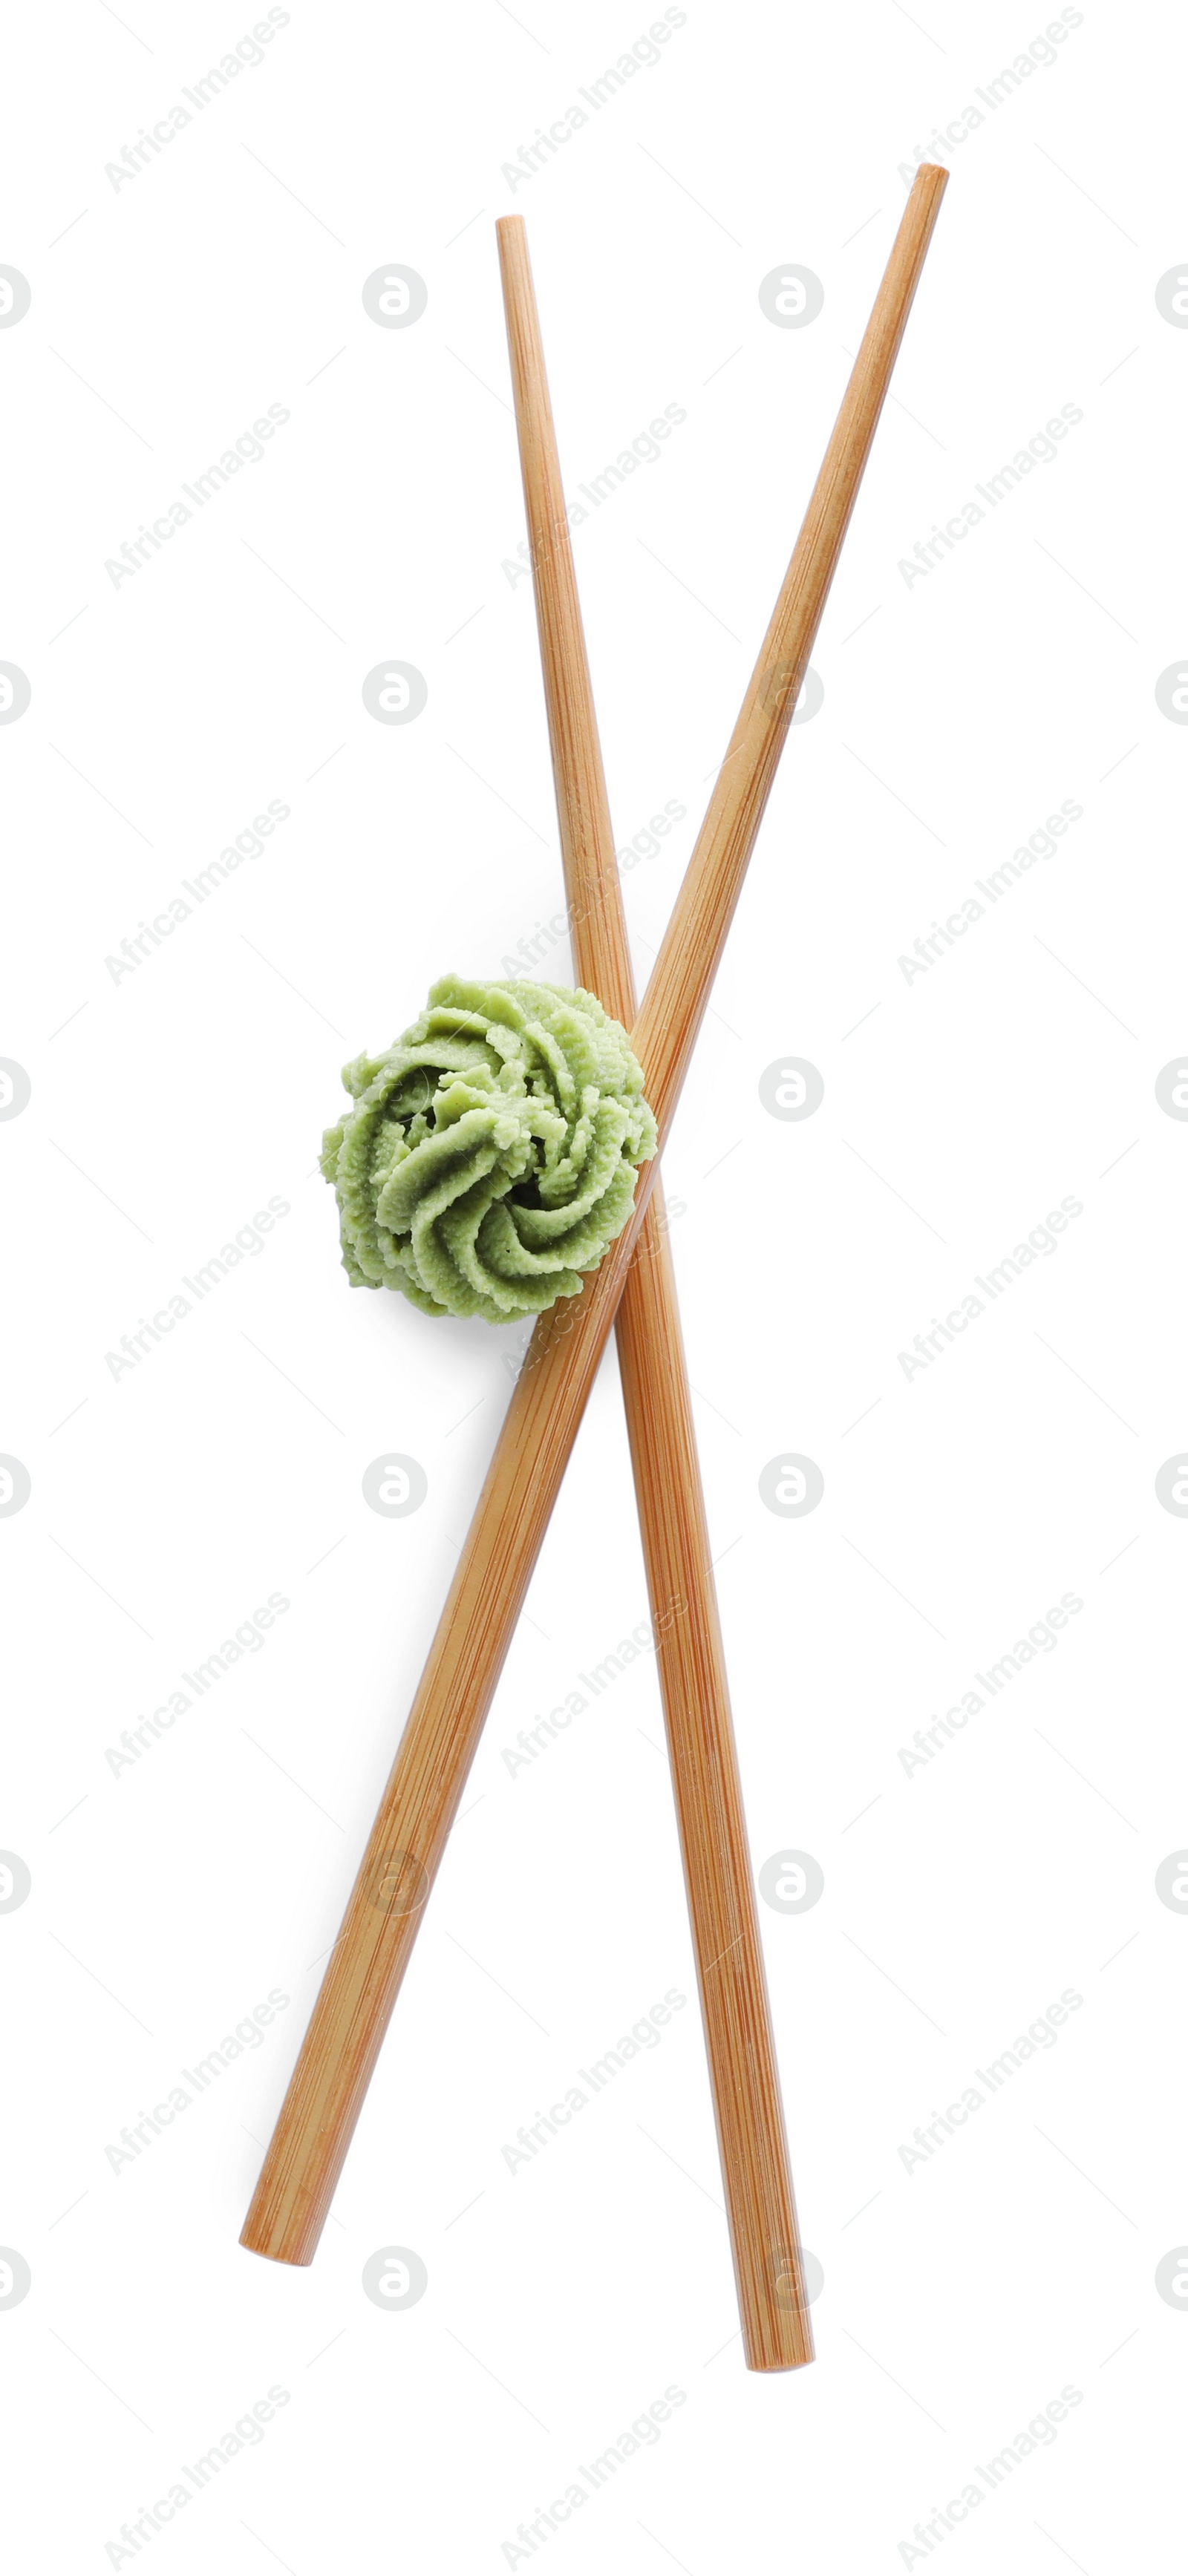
<point x="273" y="2253"/>
<point x="779" y="2340"/>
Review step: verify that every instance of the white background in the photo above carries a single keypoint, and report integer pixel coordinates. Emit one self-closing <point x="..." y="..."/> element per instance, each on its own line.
<point x="960" y="710"/>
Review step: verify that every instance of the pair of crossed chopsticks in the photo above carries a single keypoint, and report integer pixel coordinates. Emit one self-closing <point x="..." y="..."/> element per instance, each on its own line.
<point x="342" y="2043"/>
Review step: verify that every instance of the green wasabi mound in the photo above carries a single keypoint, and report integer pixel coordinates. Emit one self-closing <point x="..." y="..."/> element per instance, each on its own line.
<point x="490" y="1155"/>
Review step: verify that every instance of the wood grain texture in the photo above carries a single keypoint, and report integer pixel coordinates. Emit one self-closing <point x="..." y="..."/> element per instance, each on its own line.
<point x="366" y="1966"/>
<point x="740" y="2047"/>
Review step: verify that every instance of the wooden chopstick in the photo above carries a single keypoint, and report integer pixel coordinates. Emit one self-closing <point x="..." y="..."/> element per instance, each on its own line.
<point x="363" y="1976"/>
<point x="777" y="2334"/>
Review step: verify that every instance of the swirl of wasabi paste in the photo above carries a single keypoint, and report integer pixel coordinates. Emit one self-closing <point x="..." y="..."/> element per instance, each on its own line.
<point x="490" y="1156"/>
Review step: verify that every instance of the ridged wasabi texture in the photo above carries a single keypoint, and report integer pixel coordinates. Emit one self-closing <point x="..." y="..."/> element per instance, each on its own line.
<point x="490" y="1155"/>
